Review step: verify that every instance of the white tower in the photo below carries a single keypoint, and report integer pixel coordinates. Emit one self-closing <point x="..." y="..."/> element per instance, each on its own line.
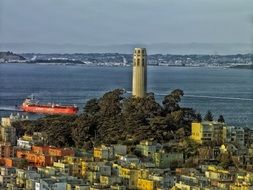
<point x="139" y="72"/>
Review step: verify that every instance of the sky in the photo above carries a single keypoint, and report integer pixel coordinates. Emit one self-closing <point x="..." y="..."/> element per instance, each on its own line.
<point x="105" y="22"/>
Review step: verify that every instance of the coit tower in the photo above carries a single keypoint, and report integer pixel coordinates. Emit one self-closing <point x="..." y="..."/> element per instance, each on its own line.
<point x="139" y="72"/>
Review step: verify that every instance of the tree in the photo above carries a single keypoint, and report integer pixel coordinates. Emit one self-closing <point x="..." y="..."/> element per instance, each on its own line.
<point x="91" y="106"/>
<point x="115" y="118"/>
<point x="198" y="117"/>
<point x="225" y="160"/>
<point x="208" y="116"/>
<point x="171" y="101"/>
<point x="83" y="130"/>
<point x="110" y="103"/>
<point x="221" y="119"/>
<point x="22" y="164"/>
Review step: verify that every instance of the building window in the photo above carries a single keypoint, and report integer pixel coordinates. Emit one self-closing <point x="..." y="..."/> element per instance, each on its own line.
<point x="139" y="51"/>
<point x="143" y="62"/>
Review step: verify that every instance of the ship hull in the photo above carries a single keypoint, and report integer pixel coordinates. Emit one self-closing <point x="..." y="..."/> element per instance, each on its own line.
<point x="50" y="110"/>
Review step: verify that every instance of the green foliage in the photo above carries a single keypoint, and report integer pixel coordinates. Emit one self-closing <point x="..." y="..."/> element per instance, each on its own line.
<point x="221" y="119"/>
<point x="225" y="160"/>
<point x="114" y="118"/>
<point x="22" y="164"/>
<point x="171" y="101"/>
<point x="91" y="106"/>
<point x="199" y="117"/>
<point x="208" y="116"/>
<point x="83" y="130"/>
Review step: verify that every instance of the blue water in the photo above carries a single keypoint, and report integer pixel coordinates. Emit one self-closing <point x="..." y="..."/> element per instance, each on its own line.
<point x="223" y="91"/>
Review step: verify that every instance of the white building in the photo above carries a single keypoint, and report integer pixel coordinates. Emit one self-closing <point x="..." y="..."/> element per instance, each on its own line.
<point x="234" y="135"/>
<point x="120" y="149"/>
<point x="130" y="159"/>
<point x="24" y="144"/>
<point x="51" y="183"/>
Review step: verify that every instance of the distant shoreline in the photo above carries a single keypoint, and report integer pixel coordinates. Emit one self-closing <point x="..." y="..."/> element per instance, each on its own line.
<point x="242" y="66"/>
<point x="79" y="63"/>
<point x="240" y="61"/>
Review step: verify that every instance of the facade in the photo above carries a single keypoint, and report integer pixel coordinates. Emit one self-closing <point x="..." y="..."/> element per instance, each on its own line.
<point x="218" y="133"/>
<point x="24" y="144"/>
<point x="7" y="176"/>
<point x="103" y="152"/>
<point x="8" y="134"/>
<point x="167" y="160"/>
<point x="234" y="135"/>
<point x="207" y="132"/>
<point x="139" y="73"/>
<point x="7" y="121"/>
<point x="6" y="150"/>
<point x="119" y="149"/>
<point x="145" y="184"/>
<point x="54" y="184"/>
<point x="130" y="159"/>
<point x="147" y="148"/>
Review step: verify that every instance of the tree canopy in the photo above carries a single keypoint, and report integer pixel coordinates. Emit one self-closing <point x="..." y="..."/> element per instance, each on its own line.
<point x="116" y="118"/>
<point x="221" y="119"/>
<point x="208" y="116"/>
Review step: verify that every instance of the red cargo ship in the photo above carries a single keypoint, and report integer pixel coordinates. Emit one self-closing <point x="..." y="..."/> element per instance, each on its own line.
<point x="30" y="105"/>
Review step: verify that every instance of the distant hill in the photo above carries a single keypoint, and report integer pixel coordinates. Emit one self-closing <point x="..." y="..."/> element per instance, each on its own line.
<point x="9" y="56"/>
<point x="163" y="48"/>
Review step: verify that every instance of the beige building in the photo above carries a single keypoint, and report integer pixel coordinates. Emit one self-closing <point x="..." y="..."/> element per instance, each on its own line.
<point x="207" y="132"/>
<point x="139" y="72"/>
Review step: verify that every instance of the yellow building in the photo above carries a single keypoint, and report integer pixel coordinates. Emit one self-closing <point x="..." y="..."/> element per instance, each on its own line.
<point x="124" y="172"/>
<point x="130" y="174"/>
<point x="73" y="159"/>
<point x="206" y="132"/>
<point x="103" y="152"/>
<point x="139" y="72"/>
<point x="27" y="138"/>
<point x="201" y="133"/>
<point x="64" y="168"/>
<point x="145" y="184"/>
<point x="182" y="186"/>
<point x="84" y="168"/>
<point x="216" y="173"/>
<point x="20" y="180"/>
<point x="109" y="180"/>
<point x="47" y="171"/>
<point x="240" y="186"/>
<point x="97" y="153"/>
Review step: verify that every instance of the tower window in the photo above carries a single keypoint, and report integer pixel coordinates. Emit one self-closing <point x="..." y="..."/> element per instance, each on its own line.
<point x="143" y="51"/>
<point x="138" y="61"/>
<point x="139" y="51"/>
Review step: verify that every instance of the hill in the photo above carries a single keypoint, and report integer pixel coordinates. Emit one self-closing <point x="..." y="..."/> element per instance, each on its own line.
<point x="114" y="118"/>
<point x="9" y="56"/>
